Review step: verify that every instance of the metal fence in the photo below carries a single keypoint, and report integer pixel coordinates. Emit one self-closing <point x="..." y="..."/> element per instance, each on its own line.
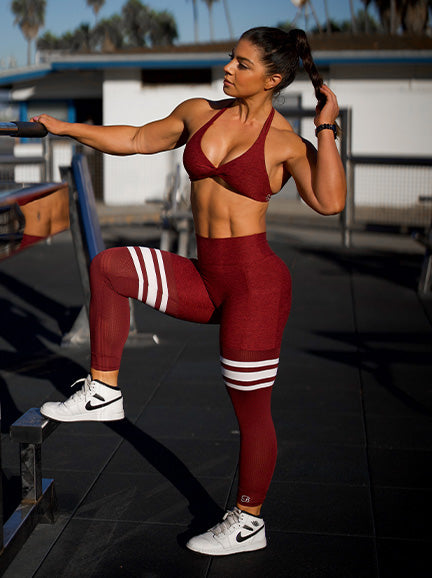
<point x="40" y="161"/>
<point x="391" y="190"/>
<point x="382" y="190"/>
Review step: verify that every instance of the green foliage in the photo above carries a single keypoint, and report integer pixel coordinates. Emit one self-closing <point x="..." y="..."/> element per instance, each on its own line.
<point x="137" y="26"/>
<point x="410" y="16"/>
<point x="95" y="5"/>
<point x="30" y="16"/>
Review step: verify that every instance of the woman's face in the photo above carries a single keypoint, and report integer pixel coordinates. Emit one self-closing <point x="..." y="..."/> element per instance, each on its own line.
<point x="245" y="74"/>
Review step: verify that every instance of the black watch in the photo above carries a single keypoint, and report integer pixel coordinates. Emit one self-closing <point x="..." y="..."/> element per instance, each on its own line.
<point x="321" y="127"/>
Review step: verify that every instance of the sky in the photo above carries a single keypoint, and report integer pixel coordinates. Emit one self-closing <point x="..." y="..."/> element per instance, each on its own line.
<point x="65" y="15"/>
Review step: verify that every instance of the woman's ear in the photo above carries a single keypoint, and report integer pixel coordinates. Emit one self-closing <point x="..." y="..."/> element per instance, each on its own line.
<point x="272" y="81"/>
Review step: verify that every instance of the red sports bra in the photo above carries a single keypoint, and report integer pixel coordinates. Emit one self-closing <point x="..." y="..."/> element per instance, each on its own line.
<point x="245" y="174"/>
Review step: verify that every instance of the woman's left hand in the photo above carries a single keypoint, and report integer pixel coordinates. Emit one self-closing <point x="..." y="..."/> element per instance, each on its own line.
<point x="330" y="111"/>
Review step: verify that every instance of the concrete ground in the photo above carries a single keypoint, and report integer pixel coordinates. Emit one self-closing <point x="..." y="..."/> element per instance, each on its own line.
<point x="351" y="495"/>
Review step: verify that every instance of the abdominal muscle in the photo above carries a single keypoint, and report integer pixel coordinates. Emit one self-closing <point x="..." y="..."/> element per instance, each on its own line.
<point x="220" y="213"/>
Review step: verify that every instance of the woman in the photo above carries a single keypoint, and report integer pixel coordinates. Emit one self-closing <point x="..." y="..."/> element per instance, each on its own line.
<point x="239" y="152"/>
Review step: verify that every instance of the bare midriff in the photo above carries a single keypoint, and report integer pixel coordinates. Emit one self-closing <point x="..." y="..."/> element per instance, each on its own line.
<point x="220" y="213"/>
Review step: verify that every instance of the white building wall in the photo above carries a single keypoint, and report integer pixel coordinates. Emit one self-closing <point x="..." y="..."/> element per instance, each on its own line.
<point x="389" y="117"/>
<point x="133" y="180"/>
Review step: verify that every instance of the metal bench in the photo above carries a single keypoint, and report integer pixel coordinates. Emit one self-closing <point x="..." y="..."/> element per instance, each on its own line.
<point x="177" y="220"/>
<point x="38" y="498"/>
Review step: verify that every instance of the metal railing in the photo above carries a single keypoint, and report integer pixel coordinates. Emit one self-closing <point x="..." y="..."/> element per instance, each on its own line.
<point x="382" y="190"/>
<point x="390" y="190"/>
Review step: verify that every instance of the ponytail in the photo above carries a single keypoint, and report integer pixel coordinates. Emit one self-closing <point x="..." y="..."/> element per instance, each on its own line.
<point x="281" y="54"/>
<point x="304" y="52"/>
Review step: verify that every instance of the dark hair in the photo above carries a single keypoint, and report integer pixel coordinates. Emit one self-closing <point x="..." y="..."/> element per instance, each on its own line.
<point x="281" y="54"/>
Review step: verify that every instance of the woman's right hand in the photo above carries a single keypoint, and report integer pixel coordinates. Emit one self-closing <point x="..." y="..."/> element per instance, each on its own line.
<point x="53" y="125"/>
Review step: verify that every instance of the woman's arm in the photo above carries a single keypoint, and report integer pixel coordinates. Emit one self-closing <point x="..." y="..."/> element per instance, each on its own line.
<point x="319" y="174"/>
<point x="157" y="136"/>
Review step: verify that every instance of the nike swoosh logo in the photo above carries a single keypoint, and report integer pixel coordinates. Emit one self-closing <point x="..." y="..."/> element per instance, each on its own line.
<point x="89" y="406"/>
<point x="241" y="538"/>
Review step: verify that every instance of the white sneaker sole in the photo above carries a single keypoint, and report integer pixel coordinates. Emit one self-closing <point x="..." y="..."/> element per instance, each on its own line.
<point x="96" y="415"/>
<point x="228" y="551"/>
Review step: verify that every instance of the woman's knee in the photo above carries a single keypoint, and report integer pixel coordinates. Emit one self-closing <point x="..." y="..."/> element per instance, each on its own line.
<point x="109" y="262"/>
<point x="98" y="265"/>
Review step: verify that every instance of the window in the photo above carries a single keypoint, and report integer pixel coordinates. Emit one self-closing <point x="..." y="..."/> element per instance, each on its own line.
<point x="176" y="76"/>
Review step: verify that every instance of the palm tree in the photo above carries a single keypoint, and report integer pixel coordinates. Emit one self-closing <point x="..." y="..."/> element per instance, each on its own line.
<point x="163" y="29"/>
<point x="412" y="15"/>
<point x="415" y="16"/>
<point x="327" y="15"/>
<point x="109" y="34"/>
<point x="48" y="41"/>
<point x="30" y="16"/>
<point x="82" y="39"/>
<point x="195" y="18"/>
<point x="366" y="4"/>
<point x="209" y="4"/>
<point x="228" y="19"/>
<point x="95" y="5"/>
<point x="137" y="22"/>
<point x="353" y="18"/>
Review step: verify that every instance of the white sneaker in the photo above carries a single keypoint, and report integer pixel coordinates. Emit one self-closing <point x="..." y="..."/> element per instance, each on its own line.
<point x="238" y="532"/>
<point x="95" y="401"/>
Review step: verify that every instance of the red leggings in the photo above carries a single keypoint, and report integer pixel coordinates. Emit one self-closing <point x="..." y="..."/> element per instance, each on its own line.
<point x="237" y="282"/>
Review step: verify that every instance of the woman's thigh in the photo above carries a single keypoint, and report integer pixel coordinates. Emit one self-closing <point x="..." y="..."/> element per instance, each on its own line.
<point x="171" y="284"/>
<point x="256" y="309"/>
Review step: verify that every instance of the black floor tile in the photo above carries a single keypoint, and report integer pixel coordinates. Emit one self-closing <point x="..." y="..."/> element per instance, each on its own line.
<point x="400" y="392"/>
<point x="310" y="426"/>
<point x="144" y="454"/>
<point x="298" y="462"/>
<point x="204" y="390"/>
<point x="154" y="498"/>
<point x="111" y="549"/>
<point x="373" y="295"/>
<point x="318" y="508"/>
<point x="403" y="513"/>
<point x="307" y="390"/>
<point x="413" y="432"/>
<point x="403" y="558"/>
<point x="290" y="555"/>
<point x="401" y="468"/>
<point x="86" y="453"/>
<point x="189" y="422"/>
<point x="71" y="486"/>
<point x="312" y="367"/>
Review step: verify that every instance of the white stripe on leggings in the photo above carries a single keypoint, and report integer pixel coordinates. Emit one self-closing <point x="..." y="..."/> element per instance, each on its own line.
<point x="249" y="364"/>
<point x="164" y="300"/>
<point x="151" y="276"/>
<point x="247" y="372"/>
<point x="152" y="280"/>
<point x="138" y="271"/>
<point x="250" y="375"/>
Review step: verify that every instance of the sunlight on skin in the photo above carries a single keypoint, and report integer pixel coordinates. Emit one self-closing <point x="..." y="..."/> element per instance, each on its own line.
<point x="108" y="377"/>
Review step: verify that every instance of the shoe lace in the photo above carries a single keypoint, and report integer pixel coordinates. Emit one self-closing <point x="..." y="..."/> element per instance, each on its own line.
<point x="81" y="393"/>
<point x="230" y="518"/>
